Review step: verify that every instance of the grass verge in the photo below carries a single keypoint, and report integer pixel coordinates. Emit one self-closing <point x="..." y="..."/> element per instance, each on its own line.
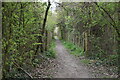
<point x="86" y="61"/>
<point x="51" y="52"/>
<point x="75" y="50"/>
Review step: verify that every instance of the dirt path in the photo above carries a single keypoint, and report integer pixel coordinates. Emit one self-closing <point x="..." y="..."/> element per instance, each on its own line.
<point x="68" y="65"/>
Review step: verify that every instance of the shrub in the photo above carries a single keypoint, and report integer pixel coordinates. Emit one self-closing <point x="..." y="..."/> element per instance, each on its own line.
<point x="51" y="52"/>
<point x="75" y="50"/>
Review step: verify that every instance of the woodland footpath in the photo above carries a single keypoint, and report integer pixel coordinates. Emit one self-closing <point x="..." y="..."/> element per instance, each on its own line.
<point x="77" y="40"/>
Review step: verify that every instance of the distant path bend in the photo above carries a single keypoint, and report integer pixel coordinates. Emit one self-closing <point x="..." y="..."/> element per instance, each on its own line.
<point x="68" y="65"/>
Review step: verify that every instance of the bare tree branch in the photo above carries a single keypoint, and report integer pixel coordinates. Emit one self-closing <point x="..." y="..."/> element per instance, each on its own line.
<point x="62" y="7"/>
<point x="105" y="12"/>
<point x="22" y="69"/>
<point x="114" y="24"/>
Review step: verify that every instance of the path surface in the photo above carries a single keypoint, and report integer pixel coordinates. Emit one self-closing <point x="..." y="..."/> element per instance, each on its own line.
<point x="68" y="65"/>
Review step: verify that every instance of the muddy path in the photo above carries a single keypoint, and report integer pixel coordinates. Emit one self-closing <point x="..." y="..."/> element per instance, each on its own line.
<point x="68" y="65"/>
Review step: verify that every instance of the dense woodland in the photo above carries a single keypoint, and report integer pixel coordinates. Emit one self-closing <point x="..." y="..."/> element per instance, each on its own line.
<point x="24" y="34"/>
<point x="28" y="33"/>
<point x="91" y="26"/>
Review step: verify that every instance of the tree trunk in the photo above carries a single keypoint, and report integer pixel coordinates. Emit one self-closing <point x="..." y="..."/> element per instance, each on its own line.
<point x="40" y="40"/>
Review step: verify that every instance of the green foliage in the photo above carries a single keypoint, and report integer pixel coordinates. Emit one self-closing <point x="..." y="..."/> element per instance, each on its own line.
<point x="112" y="60"/>
<point x="73" y="49"/>
<point x="21" y="23"/>
<point x="51" y="52"/>
<point x="92" y="27"/>
<point x="85" y="61"/>
<point x="51" y="21"/>
<point x="37" y="43"/>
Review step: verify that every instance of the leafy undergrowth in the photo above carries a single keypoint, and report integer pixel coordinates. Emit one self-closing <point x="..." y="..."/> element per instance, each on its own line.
<point x="77" y="51"/>
<point x="86" y="61"/>
<point x="101" y="68"/>
<point x="38" y="67"/>
<point x="51" y="52"/>
<point x="44" y="69"/>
